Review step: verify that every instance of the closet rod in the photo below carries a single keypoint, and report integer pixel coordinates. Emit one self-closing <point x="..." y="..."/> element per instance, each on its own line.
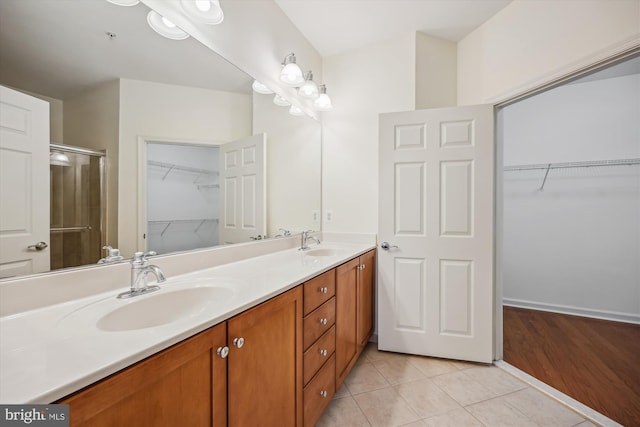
<point x="171" y="166"/>
<point x="586" y="164"/>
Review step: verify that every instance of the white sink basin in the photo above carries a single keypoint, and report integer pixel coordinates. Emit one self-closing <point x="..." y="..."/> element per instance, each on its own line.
<point x="162" y="308"/>
<point x="321" y="252"/>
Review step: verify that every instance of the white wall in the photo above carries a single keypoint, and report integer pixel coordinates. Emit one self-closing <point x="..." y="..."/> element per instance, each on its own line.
<point x="531" y="42"/>
<point x="293" y="172"/>
<point x="436" y="72"/>
<point x="575" y="246"/>
<point x="173" y="113"/>
<point x="91" y="121"/>
<point x="362" y="84"/>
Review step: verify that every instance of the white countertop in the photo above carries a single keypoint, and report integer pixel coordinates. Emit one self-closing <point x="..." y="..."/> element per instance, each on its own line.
<point x="50" y="352"/>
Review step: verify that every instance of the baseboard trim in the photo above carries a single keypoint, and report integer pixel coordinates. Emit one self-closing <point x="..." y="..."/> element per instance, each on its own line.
<point x="580" y="408"/>
<point x="576" y="311"/>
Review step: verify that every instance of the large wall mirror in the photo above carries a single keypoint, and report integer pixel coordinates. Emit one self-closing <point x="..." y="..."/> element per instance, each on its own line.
<point x="138" y="129"/>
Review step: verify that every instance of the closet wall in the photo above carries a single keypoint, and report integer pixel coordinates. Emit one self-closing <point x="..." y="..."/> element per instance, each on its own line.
<point x="183" y="197"/>
<point x="574" y="246"/>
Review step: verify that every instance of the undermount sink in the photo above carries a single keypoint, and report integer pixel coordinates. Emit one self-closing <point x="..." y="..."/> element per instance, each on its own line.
<point x="162" y="308"/>
<point x="321" y="252"/>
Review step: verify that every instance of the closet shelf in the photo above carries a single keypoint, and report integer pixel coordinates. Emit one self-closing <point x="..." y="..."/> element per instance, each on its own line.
<point x="198" y="223"/>
<point x="567" y="165"/>
<point x="171" y="166"/>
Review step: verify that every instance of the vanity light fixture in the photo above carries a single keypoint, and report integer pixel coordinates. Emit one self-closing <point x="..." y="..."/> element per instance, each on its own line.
<point x="124" y="2"/>
<point x="59" y="159"/>
<point x="323" y="102"/>
<point x="309" y="88"/>
<point x="280" y="101"/>
<point x="206" y="11"/>
<point x="260" y="88"/>
<point x="164" y="27"/>
<point x="295" y="111"/>
<point x="291" y="74"/>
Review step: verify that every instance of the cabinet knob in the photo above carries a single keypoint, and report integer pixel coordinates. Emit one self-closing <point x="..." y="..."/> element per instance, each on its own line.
<point x="323" y="321"/>
<point x="323" y="393"/>
<point x="238" y="342"/>
<point x="324" y="290"/>
<point x="323" y="352"/>
<point x="223" y="352"/>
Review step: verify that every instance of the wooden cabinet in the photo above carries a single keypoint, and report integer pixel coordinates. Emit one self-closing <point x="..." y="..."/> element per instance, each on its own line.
<point x="286" y="358"/>
<point x="265" y="372"/>
<point x="184" y="385"/>
<point x="319" y="345"/>
<point x="354" y="311"/>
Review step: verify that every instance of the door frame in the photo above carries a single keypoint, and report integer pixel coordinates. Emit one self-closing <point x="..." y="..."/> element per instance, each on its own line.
<point x="143" y="141"/>
<point x="587" y="65"/>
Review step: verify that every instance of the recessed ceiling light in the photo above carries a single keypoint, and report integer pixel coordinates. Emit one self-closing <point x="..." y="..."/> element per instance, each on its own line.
<point x="124" y="2"/>
<point x="207" y="11"/>
<point x="165" y="27"/>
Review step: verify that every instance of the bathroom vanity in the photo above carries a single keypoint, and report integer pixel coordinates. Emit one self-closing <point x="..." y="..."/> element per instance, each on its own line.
<point x="271" y="352"/>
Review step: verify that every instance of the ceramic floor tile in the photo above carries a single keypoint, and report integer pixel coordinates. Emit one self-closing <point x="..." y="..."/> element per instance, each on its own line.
<point x="495" y="379"/>
<point x="463" y="388"/>
<point x="343" y="413"/>
<point x="365" y="377"/>
<point x="343" y="391"/>
<point x="498" y="413"/>
<point x="398" y="371"/>
<point x="431" y="366"/>
<point x="385" y="408"/>
<point x="426" y="398"/>
<point x="542" y="409"/>
<point x="455" y="418"/>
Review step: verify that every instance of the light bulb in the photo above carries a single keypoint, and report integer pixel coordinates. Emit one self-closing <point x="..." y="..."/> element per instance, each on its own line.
<point x="291" y="74"/>
<point x="168" y="23"/>
<point x="203" y="5"/>
<point x="309" y="89"/>
<point x="206" y="11"/>
<point x="165" y="27"/>
<point x="323" y="102"/>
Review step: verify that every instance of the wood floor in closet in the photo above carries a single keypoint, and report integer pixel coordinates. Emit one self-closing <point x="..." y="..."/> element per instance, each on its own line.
<point x="596" y="362"/>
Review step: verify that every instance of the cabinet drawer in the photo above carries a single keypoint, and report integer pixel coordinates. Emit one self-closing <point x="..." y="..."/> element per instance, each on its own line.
<point x="319" y="353"/>
<point x="319" y="392"/>
<point x="318" y="290"/>
<point x="319" y="322"/>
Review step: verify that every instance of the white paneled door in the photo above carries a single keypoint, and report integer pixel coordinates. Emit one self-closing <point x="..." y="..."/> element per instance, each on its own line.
<point x="24" y="184"/>
<point x="243" y="189"/>
<point x="435" y="277"/>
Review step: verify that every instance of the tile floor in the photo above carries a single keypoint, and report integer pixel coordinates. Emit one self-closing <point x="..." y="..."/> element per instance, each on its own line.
<point x="389" y="389"/>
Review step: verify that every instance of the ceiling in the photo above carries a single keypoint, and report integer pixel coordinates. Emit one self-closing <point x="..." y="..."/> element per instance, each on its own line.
<point x="59" y="48"/>
<point x="337" y="26"/>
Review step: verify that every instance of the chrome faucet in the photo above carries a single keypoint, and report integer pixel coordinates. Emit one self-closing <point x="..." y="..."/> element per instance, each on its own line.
<point x="139" y="271"/>
<point x="113" y="255"/>
<point x="304" y="236"/>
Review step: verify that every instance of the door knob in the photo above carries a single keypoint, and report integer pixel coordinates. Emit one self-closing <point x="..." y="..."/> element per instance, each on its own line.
<point x="38" y="246"/>
<point x="386" y="246"/>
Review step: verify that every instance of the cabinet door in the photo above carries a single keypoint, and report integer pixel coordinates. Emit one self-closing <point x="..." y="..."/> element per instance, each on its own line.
<point x="184" y="385"/>
<point x="366" y="295"/>
<point x="346" y="318"/>
<point x="264" y="380"/>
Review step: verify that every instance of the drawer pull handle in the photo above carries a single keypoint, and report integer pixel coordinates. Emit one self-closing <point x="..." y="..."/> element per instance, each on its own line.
<point x="324" y="393"/>
<point x="223" y="351"/>
<point x="323" y="321"/>
<point x="324" y="352"/>
<point x="238" y="342"/>
<point x="324" y="290"/>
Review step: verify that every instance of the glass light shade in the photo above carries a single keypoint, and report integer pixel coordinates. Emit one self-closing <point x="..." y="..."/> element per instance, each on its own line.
<point x="206" y="11"/>
<point x="308" y="89"/>
<point x="165" y="27"/>
<point x="280" y="101"/>
<point x="260" y="88"/>
<point x="124" y="2"/>
<point x="295" y="111"/>
<point x="291" y="74"/>
<point x="59" y="159"/>
<point x="323" y="102"/>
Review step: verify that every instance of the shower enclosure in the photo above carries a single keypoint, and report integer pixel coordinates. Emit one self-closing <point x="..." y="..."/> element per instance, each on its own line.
<point x="77" y="206"/>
